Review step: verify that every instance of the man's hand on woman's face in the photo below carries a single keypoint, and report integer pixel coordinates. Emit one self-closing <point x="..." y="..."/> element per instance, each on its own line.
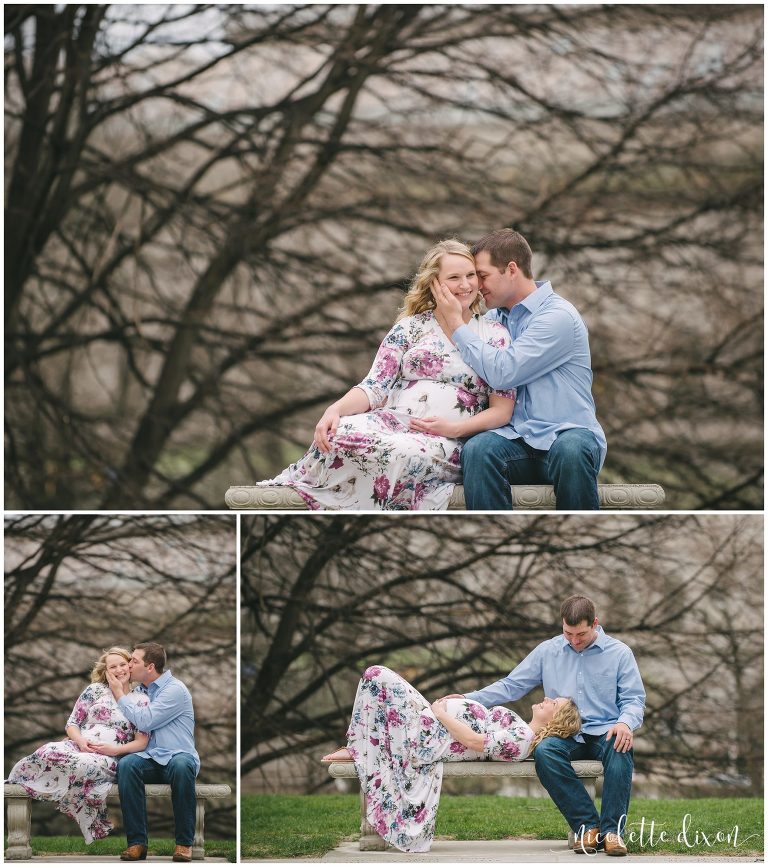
<point x="118" y="688"/>
<point x="447" y="304"/>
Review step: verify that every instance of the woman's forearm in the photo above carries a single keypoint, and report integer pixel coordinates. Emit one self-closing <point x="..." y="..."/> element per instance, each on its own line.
<point x="497" y="415"/>
<point x="74" y="734"/>
<point x="463" y="733"/>
<point x="353" y="402"/>
<point x="134" y="746"/>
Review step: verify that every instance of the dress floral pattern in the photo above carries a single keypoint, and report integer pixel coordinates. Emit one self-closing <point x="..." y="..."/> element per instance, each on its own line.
<point x="377" y="462"/>
<point x="399" y="747"/>
<point x="80" y="782"/>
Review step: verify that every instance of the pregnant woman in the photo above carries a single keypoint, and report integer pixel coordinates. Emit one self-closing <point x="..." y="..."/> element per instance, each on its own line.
<point x="398" y="742"/>
<point x="78" y="772"/>
<point x="393" y="441"/>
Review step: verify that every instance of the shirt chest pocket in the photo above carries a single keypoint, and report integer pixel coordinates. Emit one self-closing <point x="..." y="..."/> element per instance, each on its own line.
<point x="605" y="687"/>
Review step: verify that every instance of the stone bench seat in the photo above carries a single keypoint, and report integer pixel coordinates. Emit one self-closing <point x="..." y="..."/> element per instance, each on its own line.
<point x="589" y="772"/>
<point x="620" y="496"/>
<point x="19" y="815"/>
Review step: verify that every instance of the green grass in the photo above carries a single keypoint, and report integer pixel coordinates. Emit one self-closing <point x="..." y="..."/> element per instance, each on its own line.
<point x="291" y="826"/>
<point x="113" y="846"/>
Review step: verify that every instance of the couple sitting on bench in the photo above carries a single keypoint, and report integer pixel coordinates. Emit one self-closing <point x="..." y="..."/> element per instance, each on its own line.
<point x="137" y="737"/>
<point x="594" y="702"/>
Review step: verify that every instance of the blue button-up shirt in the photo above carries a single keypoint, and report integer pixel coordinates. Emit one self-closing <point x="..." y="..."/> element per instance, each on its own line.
<point x="603" y="680"/>
<point x="169" y="719"/>
<point x="548" y="363"/>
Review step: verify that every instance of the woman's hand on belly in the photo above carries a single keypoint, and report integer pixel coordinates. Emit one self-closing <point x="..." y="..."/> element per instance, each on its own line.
<point x="104" y="749"/>
<point x="434" y="424"/>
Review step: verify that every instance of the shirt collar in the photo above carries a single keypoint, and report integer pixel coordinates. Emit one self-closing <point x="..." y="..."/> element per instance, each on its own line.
<point x="156" y="684"/>
<point x="599" y="641"/>
<point x="533" y="301"/>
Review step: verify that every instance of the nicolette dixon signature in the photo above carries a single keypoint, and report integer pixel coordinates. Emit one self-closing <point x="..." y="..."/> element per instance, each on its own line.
<point x="648" y="833"/>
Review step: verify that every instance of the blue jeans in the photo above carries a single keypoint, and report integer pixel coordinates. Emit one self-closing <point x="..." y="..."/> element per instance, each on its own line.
<point x="491" y="463"/>
<point x="553" y="757"/>
<point x="133" y="771"/>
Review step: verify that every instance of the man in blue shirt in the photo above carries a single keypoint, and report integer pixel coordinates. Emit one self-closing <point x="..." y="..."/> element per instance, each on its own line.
<point x="170" y="756"/>
<point x="600" y="674"/>
<point x="554" y="436"/>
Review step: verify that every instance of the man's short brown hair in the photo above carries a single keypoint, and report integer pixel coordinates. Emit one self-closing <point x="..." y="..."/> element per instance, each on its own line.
<point x="154" y="653"/>
<point x="577" y="609"/>
<point x="505" y="246"/>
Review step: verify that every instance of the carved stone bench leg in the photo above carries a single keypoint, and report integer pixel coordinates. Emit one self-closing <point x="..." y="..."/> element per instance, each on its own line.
<point x="589" y="785"/>
<point x="198" y="842"/>
<point x="369" y="839"/>
<point x="19" y="828"/>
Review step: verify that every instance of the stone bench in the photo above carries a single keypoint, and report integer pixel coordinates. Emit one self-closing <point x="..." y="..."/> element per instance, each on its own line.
<point x="588" y="772"/>
<point x="622" y="496"/>
<point x="19" y="822"/>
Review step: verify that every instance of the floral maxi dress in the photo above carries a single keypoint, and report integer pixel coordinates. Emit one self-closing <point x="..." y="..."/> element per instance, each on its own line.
<point x="80" y="782"/>
<point x="378" y="463"/>
<point x="399" y="747"/>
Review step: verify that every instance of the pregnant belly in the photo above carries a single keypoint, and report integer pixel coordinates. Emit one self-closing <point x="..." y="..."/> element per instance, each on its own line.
<point x="467" y="711"/>
<point x="422" y="397"/>
<point x="102" y="733"/>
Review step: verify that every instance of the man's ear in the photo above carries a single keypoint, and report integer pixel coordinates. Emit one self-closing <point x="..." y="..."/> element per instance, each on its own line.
<point x="512" y="268"/>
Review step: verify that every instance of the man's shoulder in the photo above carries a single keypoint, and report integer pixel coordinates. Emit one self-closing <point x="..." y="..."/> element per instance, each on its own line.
<point x="615" y="644"/>
<point x="551" y="645"/>
<point x="556" y="304"/>
<point x="181" y="687"/>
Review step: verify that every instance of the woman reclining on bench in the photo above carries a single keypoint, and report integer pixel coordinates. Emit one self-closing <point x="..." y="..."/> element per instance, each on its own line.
<point x="398" y="742"/>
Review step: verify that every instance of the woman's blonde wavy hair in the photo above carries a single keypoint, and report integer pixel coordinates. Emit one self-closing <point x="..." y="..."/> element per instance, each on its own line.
<point x="419" y="298"/>
<point x="565" y="723"/>
<point x="99" y="673"/>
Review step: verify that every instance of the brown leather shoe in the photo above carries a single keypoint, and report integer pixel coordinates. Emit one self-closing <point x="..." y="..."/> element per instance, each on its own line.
<point x="182" y="853"/>
<point x="586" y="843"/>
<point x="614" y="845"/>
<point x="137" y="852"/>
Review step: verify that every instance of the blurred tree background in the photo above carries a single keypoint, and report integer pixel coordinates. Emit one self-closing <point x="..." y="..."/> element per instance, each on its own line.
<point x="76" y="585"/>
<point x="212" y="212"/>
<point x="453" y="603"/>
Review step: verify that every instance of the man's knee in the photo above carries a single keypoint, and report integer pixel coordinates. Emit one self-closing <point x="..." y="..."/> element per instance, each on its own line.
<point x="574" y="447"/>
<point x="613" y="760"/>
<point x="549" y="751"/>
<point x="129" y="766"/>
<point x="485" y="449"/>
<point x="475" y="449"/>
<point x="182" y="766"/>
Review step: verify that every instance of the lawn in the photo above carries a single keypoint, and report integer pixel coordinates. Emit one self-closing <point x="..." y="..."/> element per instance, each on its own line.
<point x="113" y="846"/>
<point x="270" y="823"/>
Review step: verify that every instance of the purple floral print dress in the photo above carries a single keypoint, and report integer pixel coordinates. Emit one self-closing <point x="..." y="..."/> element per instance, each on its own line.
<point x="399" y="747"/>
<point x="80" y="782"/>
<point x="377" y="462"/>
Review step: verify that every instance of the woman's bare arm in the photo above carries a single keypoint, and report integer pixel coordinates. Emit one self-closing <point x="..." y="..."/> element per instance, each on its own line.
<point x="458" y="730"/>
<point x="498" y="414"/>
